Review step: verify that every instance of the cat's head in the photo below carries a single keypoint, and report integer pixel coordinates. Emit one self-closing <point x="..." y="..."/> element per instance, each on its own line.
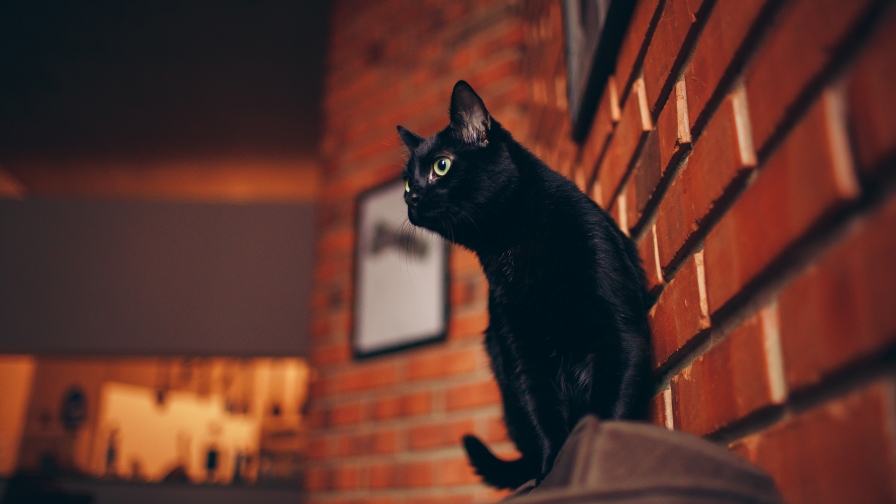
<point x="456" y="179"/>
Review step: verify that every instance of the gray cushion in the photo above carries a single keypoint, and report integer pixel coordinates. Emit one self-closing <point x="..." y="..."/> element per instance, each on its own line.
<point x="642" y="463"/>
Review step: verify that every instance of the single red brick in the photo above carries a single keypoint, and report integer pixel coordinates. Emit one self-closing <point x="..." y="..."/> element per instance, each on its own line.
<point x="418" y="403"/>
<point x="413" y="474"/>
<point x="439" y="364"/>
<point x="635" y="39"/>
<point x="347" y="445"/>
<point x="345" y="414"/>
<point x="808" y="176"/>
<point x="839" y="452"/>
<point x="674" y="128"/>
<point x="733" y="379"/>
<point x="608" y="114"/>
<point x="387" y="407"/>
<point x="800" y="45"/>
<point x="634" y="123"/>
<point x="872" y="108"/>
<point x="344" y="478"/>
<point x="650" y="260"/>
<point x="316" y="478"/>
<point x="385" y="442"/>
<point x="318" y="448"/>
<point x="723" y="154"/>
<point x="472" y="396"/>
<point x="366" y="377"/>
<point x="379" y="476"/>
<point x="680" y="312"/>
<point x="644" y="179"/>
<point x="842" y="307"/>
<point x="665" y="48"/>
<point x="457" y="472"/>
<point x="438" y="434"/>
<point x="724" y="33"/>
<point x="369" y="443"/>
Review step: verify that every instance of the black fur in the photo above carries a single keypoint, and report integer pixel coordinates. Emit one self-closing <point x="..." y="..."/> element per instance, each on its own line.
<point x="567" y="331"/>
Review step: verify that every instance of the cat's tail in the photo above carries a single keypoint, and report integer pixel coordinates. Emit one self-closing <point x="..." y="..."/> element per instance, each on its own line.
<point x="494" y="471"/>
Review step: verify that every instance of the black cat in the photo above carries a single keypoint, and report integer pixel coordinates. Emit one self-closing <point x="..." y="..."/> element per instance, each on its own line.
<point x="567" y="332"/>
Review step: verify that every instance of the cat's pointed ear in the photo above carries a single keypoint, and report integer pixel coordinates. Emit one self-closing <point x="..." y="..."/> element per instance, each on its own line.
<point x="468" y="114"/>
<point x="412" y="140"/>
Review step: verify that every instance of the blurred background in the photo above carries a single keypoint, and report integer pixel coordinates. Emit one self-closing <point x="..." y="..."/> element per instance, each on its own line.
<point x="178" y="196"/>
<point x="160" y="173"/>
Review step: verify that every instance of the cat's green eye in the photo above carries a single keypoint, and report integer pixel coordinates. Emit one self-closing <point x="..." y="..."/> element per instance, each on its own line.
<point x="441" y="166"/>
<point x="407" y="185"/>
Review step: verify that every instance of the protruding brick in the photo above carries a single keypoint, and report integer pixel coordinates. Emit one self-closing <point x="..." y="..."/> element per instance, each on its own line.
<point x="634" y="123"/>
<point x="650" y="260"/>
<point x="724" y="33"/>
<point x="800" y="45"/>
<point x="644" y="179"/>
<point x="608" y="114"/>
<point x="674" y="128"/>
<point x="842" y="308"/>
<point x="872" y="109"/>
<point x="665" y="48"/>
<point x="723" y="154"/>
<point x="660" y="410"/>
<point x="839" y="452"/>
<point x="806" y="178"/>
<point x="680" y="313"/>
<point x="734" y="378"/>
<point x="635" y="40"/>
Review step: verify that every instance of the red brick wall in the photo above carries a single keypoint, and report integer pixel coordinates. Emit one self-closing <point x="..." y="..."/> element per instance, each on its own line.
<point x="747" y="146"/>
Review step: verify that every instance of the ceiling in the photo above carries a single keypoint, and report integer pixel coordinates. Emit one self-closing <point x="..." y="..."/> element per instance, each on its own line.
<point x="199" y="100"/>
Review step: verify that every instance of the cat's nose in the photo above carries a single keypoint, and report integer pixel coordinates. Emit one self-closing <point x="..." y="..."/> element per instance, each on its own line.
<point x="412" y="198"/>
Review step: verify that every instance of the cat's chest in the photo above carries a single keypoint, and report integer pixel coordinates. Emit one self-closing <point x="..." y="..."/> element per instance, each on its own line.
<point x="508" y="269"/>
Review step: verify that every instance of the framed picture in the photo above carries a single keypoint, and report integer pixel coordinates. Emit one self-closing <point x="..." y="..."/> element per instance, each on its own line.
<point x="594" y="31"/>
<point x="401" y="276"/>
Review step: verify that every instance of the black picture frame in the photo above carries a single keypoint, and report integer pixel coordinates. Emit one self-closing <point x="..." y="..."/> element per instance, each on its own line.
<point x="389" y="233"/>
<point x="594" y="30"/>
